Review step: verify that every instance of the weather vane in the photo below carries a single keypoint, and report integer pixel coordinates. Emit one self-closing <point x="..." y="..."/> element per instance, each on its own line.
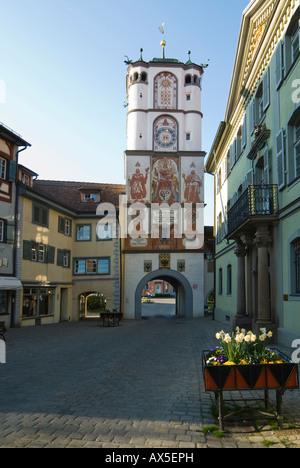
<point x="163" y="42"/>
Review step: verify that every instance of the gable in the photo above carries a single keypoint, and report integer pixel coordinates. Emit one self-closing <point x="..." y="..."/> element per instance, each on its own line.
<point x="262" y="25"/>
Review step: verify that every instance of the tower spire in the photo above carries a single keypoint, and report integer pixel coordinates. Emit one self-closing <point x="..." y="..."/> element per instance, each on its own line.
<point x="163" y="42"/>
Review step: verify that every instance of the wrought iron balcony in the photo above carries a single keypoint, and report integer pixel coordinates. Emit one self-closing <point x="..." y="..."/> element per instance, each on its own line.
<point x="258" y="202"/>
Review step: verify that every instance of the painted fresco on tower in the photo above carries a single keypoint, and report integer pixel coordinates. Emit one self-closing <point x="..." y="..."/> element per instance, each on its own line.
<point x="192" y="190"/>
<point x="165" y="91"/>
<point x="165" y="180"/>
<point x="138" y="179"/>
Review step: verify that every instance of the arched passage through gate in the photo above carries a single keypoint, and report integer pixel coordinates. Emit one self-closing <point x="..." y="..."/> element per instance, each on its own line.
<point x="184" y="292"/>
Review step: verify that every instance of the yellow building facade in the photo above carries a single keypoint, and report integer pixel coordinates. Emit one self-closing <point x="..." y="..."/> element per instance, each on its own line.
<point x="62" y="257"/>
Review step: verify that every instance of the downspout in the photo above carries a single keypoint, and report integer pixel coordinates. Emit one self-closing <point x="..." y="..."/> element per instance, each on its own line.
<point x="13" y="323"/>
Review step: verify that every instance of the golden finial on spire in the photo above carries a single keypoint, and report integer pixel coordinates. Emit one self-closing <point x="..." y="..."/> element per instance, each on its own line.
<point x="163" y="42"/>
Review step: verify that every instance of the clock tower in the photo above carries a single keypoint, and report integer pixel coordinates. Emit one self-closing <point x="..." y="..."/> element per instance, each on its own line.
<point x="164" y="170"/>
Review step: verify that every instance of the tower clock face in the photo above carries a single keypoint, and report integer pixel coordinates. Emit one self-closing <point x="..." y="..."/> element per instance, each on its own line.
<point x="165" y="137"/>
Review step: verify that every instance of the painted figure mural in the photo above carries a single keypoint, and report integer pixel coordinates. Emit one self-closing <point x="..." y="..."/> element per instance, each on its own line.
<point x="165" y="184"/>
<point x="137" y="183"/>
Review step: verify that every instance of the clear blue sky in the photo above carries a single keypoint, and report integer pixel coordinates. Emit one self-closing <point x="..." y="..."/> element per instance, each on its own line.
<point x="62" y="62"/>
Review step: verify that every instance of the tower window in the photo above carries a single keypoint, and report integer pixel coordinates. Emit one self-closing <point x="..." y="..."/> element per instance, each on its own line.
<point x="188" y="97"/>
<point x="188" y="136"/>
<point x="144" y="76"/>
<point x="188" y="79"/>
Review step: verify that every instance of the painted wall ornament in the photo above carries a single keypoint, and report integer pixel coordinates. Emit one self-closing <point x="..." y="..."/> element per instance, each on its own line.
<point x="165" y="183"/>
<point x="137" y="183"/>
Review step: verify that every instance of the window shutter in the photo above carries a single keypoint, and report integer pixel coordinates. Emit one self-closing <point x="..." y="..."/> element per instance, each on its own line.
<point x="244" y="133"/>
<point x="252" y="116"/>
<point x="266" y="165"/>
<point x="50" y="254"/>
<point x="12" y="171"/>
<point x="280" y="159"/>
<point x="61" y="224"/>
<point x="233" y="154"/>
<point x="60" y="257"/>
<point x="266" y="89"/>
<point x="279" y="65"/>
<point x="27" y="250"/>
<point x="250" y="177"/>
<point x="10" y="233"/>
<point x="4" y="227"/>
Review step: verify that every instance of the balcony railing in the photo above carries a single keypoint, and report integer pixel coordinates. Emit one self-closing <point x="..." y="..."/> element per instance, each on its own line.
<point x="258" y="201"/>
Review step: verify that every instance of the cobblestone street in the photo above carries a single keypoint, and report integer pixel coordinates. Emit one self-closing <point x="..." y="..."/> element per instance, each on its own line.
<point x="136" y="385"/>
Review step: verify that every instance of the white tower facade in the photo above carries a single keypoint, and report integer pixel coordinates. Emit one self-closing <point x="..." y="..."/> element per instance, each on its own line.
<point x="164" y="167"/>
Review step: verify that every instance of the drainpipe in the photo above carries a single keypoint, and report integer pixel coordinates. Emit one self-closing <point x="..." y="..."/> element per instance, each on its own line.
<point x="13" y="311"/>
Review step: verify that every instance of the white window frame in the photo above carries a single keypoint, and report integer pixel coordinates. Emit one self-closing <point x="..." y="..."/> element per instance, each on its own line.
<point x="66" y="260"/>
<point x="3" y="168"/>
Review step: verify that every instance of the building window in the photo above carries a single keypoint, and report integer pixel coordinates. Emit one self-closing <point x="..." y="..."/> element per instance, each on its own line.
<point x="220" y="281"/>
<point x="3" y="302"/>
<point x="40" y="216"/>
<point x="229" y="280"/>
<point x="188" y="97"/>
<point x="188" y="136"/>
<point x="64" y="226"/>
<point x="295" y="266"/>
<point x="295" y="45"/>
<point x="83" y="232"/>
<point x="41" y="253"/>
<point x="261" y="102"/>
<point x="103" y="266"/>
<point x="104" y="232"/>
<point x="63" y="258"/>
<point x="92" y="266"/>
<point x="79" y="267"/>
<point x="3" y="168"/>
<point x="37" y="302"/>
<point x="297" y="149"/>
<point x="91" y="197"/>
<point x="38" y="252"/>
<point x="2" y="227"/>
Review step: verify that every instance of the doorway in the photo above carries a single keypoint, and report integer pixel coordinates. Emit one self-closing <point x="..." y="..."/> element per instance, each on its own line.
<point x="64" y="304"/>
<point x="181" y="286"/>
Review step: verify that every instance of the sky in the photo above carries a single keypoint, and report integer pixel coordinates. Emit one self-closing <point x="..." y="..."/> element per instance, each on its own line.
<point x="63" y="76"/>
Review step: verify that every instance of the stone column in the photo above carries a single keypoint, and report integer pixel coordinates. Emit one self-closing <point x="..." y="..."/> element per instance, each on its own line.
<point x="241" y="319"/>
<point x="263" y="241"/>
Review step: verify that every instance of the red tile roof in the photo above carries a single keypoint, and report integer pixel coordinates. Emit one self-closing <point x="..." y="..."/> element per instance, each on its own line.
<point x="69" y="194"/>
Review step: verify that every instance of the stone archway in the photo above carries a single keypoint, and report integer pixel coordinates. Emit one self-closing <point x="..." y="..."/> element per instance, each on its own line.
<point x="184" y="292"/>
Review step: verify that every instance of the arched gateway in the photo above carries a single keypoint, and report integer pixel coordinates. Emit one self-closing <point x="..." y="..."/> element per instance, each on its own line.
<point x="162" y="217"/>
<point x="184" y="293"/>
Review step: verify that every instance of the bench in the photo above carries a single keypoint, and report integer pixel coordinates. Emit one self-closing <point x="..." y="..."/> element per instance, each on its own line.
<point x="3" y="330"/>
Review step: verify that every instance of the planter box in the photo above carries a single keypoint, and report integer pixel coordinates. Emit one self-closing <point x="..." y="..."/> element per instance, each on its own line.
<point x="111" y="318"/>
<point x="278" y="377"/>
<point x="251" y="376"/>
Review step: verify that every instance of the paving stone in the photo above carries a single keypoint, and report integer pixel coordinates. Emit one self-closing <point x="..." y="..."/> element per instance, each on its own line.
<point x="138" y="385"/>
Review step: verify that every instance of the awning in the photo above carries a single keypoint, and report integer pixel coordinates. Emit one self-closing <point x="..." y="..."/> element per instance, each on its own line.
<point x="10" y="283"/>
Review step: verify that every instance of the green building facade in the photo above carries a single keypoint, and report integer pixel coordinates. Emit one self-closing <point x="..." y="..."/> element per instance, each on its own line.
<point x="255" y="161"/>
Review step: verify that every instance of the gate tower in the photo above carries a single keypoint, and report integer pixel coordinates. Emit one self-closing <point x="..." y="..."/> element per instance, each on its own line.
<point x="164" y="168"/>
